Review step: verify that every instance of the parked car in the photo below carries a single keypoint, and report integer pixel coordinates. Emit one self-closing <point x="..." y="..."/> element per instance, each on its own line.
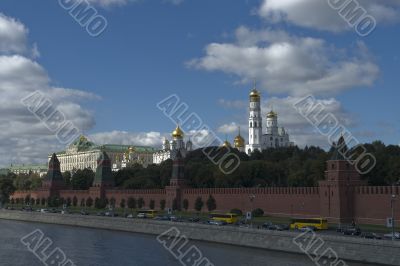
<point x="141" y="215"/>
<point x="194" y="219"/>
<point x="161" y="218"/>
<point x="130" y="216"/>
<point x="389" y="236"/>
<point x="351" y="231"/>
<point x="84" y="212"/>
<point x="100" y="214"/>
<point x="267" y="225"/>
<point x="111" y="214"/>
<point x="219" y="223"/>
<point x="369" y="235"/>
<point x="308" y="229"/>
<point x="44" y="210"/>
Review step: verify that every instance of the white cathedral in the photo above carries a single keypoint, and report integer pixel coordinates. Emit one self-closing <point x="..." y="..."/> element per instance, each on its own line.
<point x="170" y="148"/>
<point x="274" y="135"/>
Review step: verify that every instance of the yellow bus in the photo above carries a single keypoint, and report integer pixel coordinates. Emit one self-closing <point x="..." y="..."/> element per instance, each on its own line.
<point x="147" y="213"/>
<point x="229" y="218"/>
<point x="317" y="223"/>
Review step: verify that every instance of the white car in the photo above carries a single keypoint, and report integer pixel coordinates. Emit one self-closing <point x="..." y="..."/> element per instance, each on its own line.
<point x="44" y="210"/>
<point x="141" y="215"/>
<point x="389" y="236"/>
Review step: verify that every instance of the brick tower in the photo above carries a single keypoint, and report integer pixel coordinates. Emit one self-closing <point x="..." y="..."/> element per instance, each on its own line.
<point x="54" y="181"/>
<point x="103" y="178"/>
<point x="337" y="190"/>
<point x="177" y="182"/>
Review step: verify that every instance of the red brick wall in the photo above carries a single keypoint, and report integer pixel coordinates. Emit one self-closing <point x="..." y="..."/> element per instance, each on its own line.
<point x="373" y="204"/>
<point x="274" y="201"/>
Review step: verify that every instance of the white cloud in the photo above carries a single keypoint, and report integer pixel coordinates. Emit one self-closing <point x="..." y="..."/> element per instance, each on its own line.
<point x="283" y="63"/>
<point x="230" y="128"/>
<point x="317" y="14"/>
<point x="13" y="35"/>
<point x="128" y="138"/>
<point x="23" y="138"/>
<point x="109" y="3"/>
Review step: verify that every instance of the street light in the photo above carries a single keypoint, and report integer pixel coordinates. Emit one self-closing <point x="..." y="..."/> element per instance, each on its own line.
<point x="252" y="197"/>
<point x="392" y="200"/>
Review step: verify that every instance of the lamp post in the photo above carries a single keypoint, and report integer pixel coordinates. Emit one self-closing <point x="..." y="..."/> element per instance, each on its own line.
<point x="392" y="201"/>
<point x="252" y="197"/>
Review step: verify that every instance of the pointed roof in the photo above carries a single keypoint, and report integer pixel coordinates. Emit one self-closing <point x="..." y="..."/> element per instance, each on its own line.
<point x="339" y="150"/>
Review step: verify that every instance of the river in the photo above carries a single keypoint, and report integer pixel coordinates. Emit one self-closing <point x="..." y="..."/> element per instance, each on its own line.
<point x="92" y="247"/>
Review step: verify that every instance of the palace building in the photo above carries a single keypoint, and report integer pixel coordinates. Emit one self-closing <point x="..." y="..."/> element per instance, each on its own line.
<point x="273" y="137"/>
<point x="171" y="148"/>
<point x="83" y="153"/>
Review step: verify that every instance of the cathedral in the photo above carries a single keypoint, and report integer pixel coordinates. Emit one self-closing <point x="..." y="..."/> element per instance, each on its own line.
<point x="171" y="148"/>
<point x="274" y="135"/>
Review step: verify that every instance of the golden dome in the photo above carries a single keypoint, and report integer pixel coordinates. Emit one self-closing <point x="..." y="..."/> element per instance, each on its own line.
<point x="255" y="95"/>
<point x="177" y="133"/>
<point x="239" y="141"/>
<point x="226" y="144"/>
<point x="131" y="149"/>
<point x="272" y="114"/>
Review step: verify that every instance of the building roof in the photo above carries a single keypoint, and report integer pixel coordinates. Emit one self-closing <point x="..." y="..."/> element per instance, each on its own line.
<point x="82" y="144"/>
<point x="28" y="167"/>
<point x="339" y="150"/>
<point x="4" y="171"/>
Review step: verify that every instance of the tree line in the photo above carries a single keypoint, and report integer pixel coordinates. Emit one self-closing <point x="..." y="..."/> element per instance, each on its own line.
<point x="291" y="166"/>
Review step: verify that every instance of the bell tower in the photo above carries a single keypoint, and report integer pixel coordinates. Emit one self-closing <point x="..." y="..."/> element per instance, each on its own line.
<point x="255" y="121"/>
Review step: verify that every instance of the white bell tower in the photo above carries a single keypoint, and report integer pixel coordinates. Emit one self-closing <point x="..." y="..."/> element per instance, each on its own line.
<point x="255" y="121"/>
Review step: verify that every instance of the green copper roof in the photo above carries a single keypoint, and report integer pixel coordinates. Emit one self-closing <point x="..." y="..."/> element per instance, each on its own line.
<point x="83" y="144"/>
<point x="28" y="167"/>
<point x="4" y="171"/>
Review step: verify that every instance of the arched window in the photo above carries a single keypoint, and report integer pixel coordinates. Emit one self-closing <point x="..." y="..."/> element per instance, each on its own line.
<point x="251" y="124"/>
<point x="255" y="124"/>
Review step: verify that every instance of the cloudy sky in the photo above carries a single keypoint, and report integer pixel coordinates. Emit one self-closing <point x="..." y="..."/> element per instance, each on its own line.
<point x="206" y="52"/>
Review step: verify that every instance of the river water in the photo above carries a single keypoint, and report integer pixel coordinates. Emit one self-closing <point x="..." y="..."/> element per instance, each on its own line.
<point x="92" y="247"/>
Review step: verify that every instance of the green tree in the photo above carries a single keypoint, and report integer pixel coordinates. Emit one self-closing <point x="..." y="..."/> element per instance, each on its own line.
<point x="185" y="204"/>
<point x="6" y="189"/>
<point x="211" y="203"/>
<point x="152" y="204"/>
<point x="69" y="202"/>
<point x="162" y="204"/>
<point x="100" y="203"/>
<point x="198" y="204"/>
<point x="67" y="178"/>
<point x="89" y="202"/>
<point x="82" y="179"/>
<point x="112" y="202"/>
<point x="131" y="203"/>
<point x="122" y="204"/>
<point x="175" y="205"/>
<point x="75" y="201"/>
<point x="140" y="203"/>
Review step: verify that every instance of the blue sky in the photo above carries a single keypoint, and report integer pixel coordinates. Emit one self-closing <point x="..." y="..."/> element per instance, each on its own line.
<point x="208" y="53"/>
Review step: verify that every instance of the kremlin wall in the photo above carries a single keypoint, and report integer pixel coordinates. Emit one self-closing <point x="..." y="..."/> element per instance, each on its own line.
<point x="341" y="197"/>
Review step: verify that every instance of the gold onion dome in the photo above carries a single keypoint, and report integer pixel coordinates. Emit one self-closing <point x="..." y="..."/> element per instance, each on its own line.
<point x="255" y="95"/>
<point x="226" y="144"/>
<point x="239" y="141"/>
<point x="272" y="114"/>
<point x="177" y="133"/>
